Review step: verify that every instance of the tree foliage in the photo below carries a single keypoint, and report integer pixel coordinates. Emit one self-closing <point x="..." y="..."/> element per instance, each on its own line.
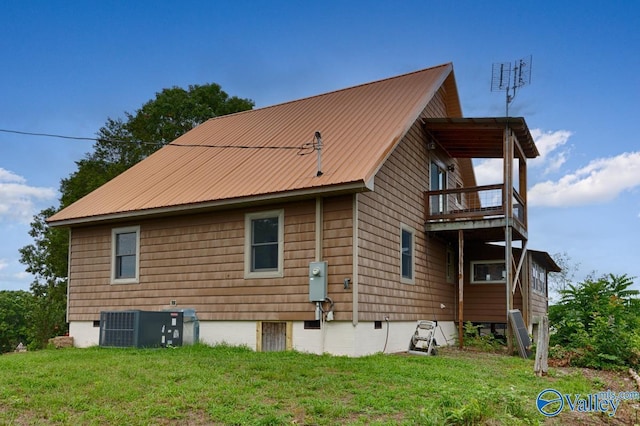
<point x="599" y="321"/>
<point x="14" y="309"/>
<point x="120" y="144"/>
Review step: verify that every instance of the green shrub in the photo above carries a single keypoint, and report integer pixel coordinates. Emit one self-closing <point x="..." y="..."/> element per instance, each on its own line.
<point x="473" y="338"/>
<point x="597" y="323"/>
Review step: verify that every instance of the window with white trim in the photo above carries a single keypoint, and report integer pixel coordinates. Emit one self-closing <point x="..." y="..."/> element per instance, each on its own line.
<point x="538" y="278"/>
<point x="125" y="255"/>
<point x="264" y="244"/>
<point x="488" y="272"/>
<point x="407" y="254"/>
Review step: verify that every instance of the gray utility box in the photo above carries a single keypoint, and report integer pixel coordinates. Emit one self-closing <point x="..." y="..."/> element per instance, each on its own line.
<point x="317" y="281"/>
<point x="141" y="329"/>
<point x="191" y="325"/>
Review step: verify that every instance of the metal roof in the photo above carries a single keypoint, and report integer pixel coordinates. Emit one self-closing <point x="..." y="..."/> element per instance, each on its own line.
<point x="360" y="127"/>
<point x="479" y="137"/>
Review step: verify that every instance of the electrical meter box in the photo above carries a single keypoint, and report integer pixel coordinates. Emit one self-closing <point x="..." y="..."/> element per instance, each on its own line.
<point x="317" y="281"/>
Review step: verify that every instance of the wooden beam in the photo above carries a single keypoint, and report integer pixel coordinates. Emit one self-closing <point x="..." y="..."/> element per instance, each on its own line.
<point x="541" y="365"/>
<point x="522" y="191"/>
<point x="507" y="201"/>
<point x="508" y="253"/>
<point x="461" y="287"/>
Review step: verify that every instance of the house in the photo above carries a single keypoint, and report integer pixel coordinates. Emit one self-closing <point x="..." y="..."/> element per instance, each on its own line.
<point x="236" y="219"/>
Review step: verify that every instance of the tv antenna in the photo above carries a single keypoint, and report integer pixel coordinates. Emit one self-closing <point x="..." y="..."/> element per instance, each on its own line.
<point x="508" y="77"/>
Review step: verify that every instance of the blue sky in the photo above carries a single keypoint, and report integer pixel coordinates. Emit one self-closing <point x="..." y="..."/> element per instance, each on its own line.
<point x="67" y="66"/>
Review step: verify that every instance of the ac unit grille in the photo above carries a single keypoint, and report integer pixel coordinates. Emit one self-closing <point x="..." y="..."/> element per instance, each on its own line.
<point x="141" y="329"/>
<point x="118" y="329"/>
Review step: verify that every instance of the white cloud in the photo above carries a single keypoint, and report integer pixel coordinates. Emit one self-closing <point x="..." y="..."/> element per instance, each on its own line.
<point x="17" y="199"/>
<point x="3" y="264"/>
<point x="551" y="157"/>
<point x="489" y="171"/>
<point x="7" y="176"/>
<point x="600" y="181"/>
<point x="548" y="144"/>
<point x="23" y="275"/>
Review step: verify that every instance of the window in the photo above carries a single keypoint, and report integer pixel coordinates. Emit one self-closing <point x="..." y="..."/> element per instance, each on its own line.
<point x="538" y="278"/>
<point x="264" y="248"/>
<point x="407" y="249"/>
<point x="437" y="182"/>
<point x="488" y="272"/>
<point x="451" y="266"/>
<point x="125" y="258"/>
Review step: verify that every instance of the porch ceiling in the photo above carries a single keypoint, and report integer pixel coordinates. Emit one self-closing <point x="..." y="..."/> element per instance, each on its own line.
<point x="479" y="137"/>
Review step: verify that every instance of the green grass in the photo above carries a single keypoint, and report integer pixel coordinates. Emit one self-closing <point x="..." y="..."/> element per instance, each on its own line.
<point x="230" y="385"/>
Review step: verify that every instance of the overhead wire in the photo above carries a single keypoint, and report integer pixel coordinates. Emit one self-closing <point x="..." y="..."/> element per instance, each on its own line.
<point x="304" y="149"/>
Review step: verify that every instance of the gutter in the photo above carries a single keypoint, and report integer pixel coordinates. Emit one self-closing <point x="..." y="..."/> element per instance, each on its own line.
<point x="353" y="187"/>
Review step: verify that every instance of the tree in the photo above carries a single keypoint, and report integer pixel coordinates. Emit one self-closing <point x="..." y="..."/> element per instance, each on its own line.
<point x="119" y="145"/>
<point x="14" y="308"/>
<point x="599" y="320"/>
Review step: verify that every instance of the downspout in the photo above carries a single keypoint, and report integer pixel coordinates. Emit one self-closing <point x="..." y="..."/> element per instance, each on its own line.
<point x="355" y="256"/>
<point x="68" y="276"/>
<point x="318" y="250"/>
<point x="319" y="226"/>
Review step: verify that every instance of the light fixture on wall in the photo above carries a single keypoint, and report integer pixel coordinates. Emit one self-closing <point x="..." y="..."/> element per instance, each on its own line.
<point x="451" y="167"/>
<point x="431" y="145"/>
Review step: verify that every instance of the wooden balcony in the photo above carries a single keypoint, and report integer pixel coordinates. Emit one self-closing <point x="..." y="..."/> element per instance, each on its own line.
<point x="483" y="212"/>
<point x="481" y="208"/>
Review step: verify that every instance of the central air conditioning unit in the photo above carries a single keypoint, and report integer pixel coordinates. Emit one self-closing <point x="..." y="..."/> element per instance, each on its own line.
<point x="141" y="329"/>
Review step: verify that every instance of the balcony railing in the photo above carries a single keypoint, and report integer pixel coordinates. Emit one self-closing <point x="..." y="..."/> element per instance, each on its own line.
<point x="475" y="203"/>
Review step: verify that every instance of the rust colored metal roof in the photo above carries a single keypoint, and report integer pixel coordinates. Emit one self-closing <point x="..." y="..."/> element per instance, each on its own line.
<point x="360" y="126"/>
<point x="479" y="137"/>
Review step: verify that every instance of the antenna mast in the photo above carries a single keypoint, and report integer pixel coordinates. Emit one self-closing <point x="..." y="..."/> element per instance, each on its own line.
<point x="508" y="77"/>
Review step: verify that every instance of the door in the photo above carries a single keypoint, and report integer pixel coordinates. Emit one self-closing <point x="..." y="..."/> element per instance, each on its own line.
<point x="437" y="182"/>
<point x="274" y="336"/>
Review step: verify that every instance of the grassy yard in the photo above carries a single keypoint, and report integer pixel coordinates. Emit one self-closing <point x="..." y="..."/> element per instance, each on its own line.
<point x="227" y="385"/>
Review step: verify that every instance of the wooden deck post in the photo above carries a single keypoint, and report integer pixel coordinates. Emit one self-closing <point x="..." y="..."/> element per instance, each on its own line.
<point x="460" y="287"/>
<point x="507" y="202"/>
<point x="541" y="365"/>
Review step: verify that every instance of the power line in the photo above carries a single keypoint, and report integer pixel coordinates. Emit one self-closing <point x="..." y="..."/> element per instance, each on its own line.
<point x="50" y="135"/>
<point x="77" y="138"/>
<point x="303" y="149"/>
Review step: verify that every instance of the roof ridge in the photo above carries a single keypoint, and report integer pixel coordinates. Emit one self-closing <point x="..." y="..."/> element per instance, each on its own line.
<point x="395" y="77"/>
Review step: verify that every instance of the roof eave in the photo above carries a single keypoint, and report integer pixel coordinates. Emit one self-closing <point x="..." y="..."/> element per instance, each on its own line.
<point x="333" y="190"/>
